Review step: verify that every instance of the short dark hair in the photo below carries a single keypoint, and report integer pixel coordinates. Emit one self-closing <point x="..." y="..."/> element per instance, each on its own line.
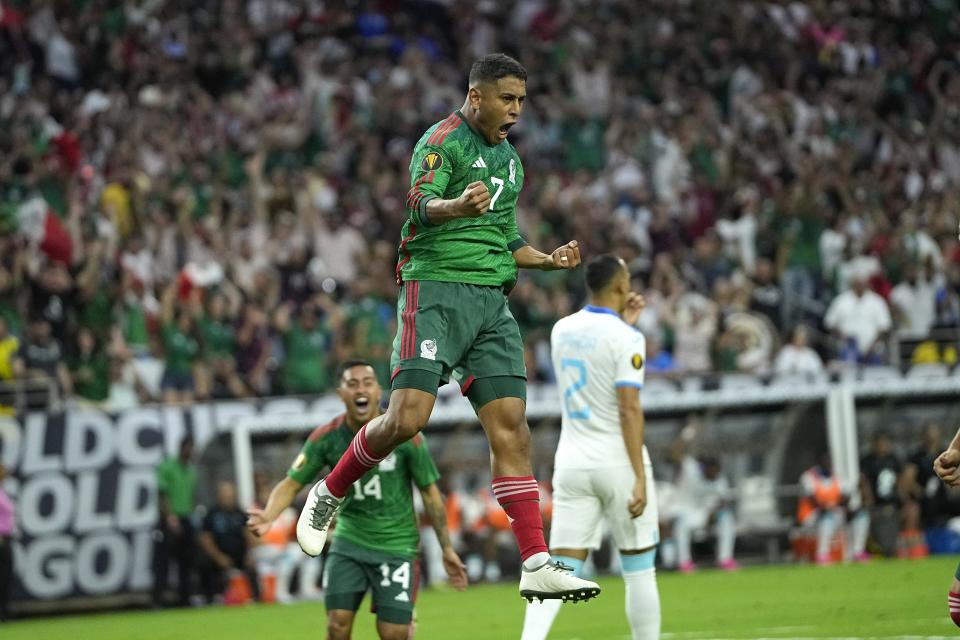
<point x="494" y="66"/>
<point x="601" y="270"/>
<point x="350" y="364"/>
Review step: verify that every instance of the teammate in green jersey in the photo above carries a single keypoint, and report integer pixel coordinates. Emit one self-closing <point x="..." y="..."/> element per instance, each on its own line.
<point x="458" y="257"/>
<point x="374" y="546"/>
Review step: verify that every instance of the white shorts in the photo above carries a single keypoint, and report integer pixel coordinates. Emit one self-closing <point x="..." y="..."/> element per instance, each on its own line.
<point x="584" y="498"/>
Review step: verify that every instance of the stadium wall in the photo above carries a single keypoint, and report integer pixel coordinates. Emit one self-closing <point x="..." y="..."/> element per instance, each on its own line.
<point x="84" y="483"/>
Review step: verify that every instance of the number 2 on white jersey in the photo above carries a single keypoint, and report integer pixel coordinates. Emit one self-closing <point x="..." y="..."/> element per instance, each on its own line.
<point x="498" y="182"/>
<point x="569" y="393"/>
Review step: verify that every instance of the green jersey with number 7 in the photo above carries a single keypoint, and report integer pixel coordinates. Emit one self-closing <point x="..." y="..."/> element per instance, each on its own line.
<point x="447" y="158"/>
<point x="377" y="512"/>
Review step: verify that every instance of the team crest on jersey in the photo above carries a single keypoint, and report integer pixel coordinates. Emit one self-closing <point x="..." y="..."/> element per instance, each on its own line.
<point x="428" y="350"/>
<point x="389" y="463"/>
<point x="513" y="171"/>
<point x="636" y="360"/>
<point x="432" y="161"/>
<point x="299" y="462"/>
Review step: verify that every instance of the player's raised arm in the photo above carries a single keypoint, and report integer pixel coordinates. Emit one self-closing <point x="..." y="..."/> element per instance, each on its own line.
<point x="563" y="257"/>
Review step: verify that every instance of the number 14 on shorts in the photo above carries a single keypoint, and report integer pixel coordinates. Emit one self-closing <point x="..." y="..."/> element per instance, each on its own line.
<point x="400" y="575"/>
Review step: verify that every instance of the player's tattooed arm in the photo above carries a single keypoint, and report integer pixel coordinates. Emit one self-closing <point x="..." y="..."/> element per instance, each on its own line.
<point x="433" y="506"/>
<point x="564" y="257"/>
<point x="452" y="564"/>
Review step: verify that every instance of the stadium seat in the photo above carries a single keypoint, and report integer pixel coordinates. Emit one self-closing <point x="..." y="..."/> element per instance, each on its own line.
<point x="757" y="505"/>
<point x="757" y="514"/>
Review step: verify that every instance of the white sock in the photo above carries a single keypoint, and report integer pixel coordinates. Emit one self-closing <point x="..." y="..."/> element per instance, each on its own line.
<point x="539" y="618"/>
<point x="726" y="536"/>
<point x="536" y="560"/>
<point x="859" y="530"/>
<point x="668" y="551"/>
<point x="643" y="604"/>
<point x="826" y="528"/>
<point x="681" y="535"/>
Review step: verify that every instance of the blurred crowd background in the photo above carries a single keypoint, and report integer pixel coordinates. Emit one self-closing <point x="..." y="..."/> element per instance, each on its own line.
<point x="204" y="199"/>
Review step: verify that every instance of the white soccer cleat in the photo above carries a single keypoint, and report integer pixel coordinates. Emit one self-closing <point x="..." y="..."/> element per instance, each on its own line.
<point x="315" y="519"/>
<point x="555" y="581"/>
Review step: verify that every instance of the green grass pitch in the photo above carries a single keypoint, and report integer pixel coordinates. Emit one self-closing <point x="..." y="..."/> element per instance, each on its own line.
<point x="883" y="599"/>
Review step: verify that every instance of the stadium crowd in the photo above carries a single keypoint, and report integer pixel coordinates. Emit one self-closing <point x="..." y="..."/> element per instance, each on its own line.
<point x="204" y="199"/>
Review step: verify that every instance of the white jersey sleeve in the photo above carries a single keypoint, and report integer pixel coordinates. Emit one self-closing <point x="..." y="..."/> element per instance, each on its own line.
<point x="630" y="356"/>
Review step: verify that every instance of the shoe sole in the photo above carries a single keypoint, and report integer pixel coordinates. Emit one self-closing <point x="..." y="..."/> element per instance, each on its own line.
<point x="576" y="595"/>
<point x="312" y="555"/>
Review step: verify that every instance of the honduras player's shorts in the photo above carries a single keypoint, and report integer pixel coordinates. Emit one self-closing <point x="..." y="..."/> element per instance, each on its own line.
<point x="584" y="498"/>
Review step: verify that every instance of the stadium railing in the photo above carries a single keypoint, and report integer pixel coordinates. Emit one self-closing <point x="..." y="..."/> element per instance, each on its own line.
<point x="21" y="395"/>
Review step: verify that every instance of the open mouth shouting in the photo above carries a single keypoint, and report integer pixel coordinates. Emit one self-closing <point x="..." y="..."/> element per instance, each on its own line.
<point x="361" y="404"/>
<point x="504" y="129"/>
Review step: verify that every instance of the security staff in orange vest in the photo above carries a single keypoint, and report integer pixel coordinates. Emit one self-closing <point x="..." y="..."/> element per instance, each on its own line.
<point x="821" y="505"/>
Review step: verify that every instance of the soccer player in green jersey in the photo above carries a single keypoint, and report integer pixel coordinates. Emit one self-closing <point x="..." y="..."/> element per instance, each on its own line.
<point x="374" y="546"/>
<point x="458" y="257"/>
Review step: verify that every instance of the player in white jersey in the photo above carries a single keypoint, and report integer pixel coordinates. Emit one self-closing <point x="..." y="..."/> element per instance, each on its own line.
<point x="602" y="471"/>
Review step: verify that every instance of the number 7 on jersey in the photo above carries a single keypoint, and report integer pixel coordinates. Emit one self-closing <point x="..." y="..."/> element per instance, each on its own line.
<point x="498" y="182"/>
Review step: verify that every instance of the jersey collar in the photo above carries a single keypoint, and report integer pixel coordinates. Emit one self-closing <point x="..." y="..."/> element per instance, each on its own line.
<point x="595" y="309"/>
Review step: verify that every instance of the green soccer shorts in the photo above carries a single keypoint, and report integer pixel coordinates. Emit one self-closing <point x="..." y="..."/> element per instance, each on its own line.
<point x="392" y="581"/>
<point x="463" y="331"/>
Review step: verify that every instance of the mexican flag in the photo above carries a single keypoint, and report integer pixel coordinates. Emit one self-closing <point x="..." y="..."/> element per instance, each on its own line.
<point x="44" y="230"/>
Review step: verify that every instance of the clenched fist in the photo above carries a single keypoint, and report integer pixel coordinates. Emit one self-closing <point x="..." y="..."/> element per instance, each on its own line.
<point x="565" y="257"/>
<point x="474" y="201"/>
<point x="947" y="467"/>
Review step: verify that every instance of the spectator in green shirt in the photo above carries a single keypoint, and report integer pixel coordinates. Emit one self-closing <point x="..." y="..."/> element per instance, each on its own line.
<point x="218" y="339"/>
<point x="306" y="345"/>
<point x="181" y="349"/>
<point x="798" y="252"/>
<point x="174" y="535"/>
<point x="130" y="316"/>
<point x="89" y="368"/>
